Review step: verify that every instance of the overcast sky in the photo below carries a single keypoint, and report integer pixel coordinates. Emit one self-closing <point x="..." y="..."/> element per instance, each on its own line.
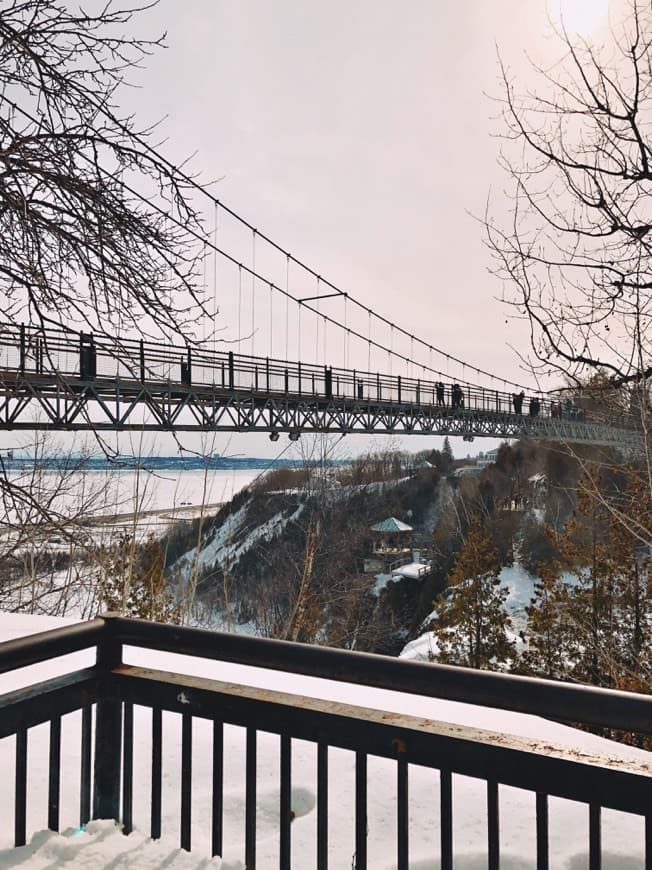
<point x="360" y="134"/>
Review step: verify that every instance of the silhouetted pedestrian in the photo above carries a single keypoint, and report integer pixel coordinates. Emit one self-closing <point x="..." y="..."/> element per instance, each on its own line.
<point x="439" y="387"/>
<point x="517" y="401"/>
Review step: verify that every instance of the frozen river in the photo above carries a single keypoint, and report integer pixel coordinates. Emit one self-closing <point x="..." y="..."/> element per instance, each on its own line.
<point x="125" y="497"/>
<point x="129" y="491"/>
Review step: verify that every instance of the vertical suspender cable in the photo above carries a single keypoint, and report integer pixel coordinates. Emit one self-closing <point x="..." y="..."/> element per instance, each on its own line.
<point x="170" y="223"/>
<point x="317" y="318"/>
<point x="369" y="344"/>
<point x="239" y="307"/>
<point x="345" y="333"/>
<point x="204" y="253"/>
<point x="271" y="319"/>
<point x="287" y="306"/>
<point x="299" y="333"/>
<point x="216" y="216"/>
<point x="205" y="326"/>
<point x="253" y="289"/>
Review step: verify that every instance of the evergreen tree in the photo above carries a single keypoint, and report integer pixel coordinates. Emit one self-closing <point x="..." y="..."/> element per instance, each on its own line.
<point x="608" y="607"/>
<point x="447" y="455"/>
<point x="633" y="588"/>
<point x="586" y="549"/>
<point x="550" y="635"/>
<point x="472" y="623"/>
<point x="132" y="580"/>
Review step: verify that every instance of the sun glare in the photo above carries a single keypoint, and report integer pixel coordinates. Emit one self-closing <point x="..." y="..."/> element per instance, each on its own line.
<point x="578" y="16"/>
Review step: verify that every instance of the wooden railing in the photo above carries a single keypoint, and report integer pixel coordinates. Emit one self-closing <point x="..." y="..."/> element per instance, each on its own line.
<point x="108" y="692"/>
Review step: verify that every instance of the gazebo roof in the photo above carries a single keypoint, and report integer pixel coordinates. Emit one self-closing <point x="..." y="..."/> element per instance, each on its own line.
<point x="391" y="524"/>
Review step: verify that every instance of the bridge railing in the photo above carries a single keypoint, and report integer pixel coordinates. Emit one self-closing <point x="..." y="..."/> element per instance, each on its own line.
<point x="111" y="696"/>
<point x="32" y="352"/>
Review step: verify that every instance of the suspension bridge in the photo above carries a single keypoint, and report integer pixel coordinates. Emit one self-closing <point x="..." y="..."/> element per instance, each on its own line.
<point x="54" y="379"/>
<point x="296" y="377"/>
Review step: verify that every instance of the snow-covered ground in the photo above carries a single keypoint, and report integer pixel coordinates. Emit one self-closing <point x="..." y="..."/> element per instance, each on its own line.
<point x="100" y="845"/>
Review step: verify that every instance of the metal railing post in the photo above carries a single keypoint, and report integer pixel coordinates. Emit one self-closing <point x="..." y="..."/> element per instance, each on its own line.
<point x="22" y="349"/>
<point x="108" y="729"/>
<point x="141" y="354"/>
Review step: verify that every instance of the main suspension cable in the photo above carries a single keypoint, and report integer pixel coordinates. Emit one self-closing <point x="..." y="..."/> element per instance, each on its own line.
<point x="194" y="184"/>
<point x="290" y="259"/>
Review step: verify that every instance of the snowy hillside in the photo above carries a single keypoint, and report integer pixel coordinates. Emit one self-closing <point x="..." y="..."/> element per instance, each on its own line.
<point x="99" y="846"/>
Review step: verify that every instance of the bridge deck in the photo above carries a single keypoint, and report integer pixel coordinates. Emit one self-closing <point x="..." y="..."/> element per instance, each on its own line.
<point x="31" y="402"/>
<point x="51" y="379"/>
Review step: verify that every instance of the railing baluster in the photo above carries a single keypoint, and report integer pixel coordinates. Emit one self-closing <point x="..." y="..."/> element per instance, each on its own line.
<point x="20" y="823"/>
<point x="218" y="788"/>
<point x="595" y="847"/>
<point x="542" y="832"/>
<point x="157" y="723"/>
<point x="286" y="795"/>
<point x="446" y="819"/>
<point x="322" y="805"/>
<point x="85" y="773"/>
<point x="127" y="767"/>
<point x="402" y="814"/>
<point x="186" y="780"/>
<point x="360" y="811"/>
<point x="54" y="777"/>
<point x="493" y="830"/>
<point x="250" y="800"/>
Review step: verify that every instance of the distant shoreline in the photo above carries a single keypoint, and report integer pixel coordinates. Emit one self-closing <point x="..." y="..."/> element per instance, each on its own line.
<point x="151" y="463"/>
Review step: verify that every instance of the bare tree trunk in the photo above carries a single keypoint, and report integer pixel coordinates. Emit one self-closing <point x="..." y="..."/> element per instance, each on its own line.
<point x="298" y="616"/>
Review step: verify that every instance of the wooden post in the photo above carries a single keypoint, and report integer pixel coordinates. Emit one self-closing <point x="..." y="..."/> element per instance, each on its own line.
<point x="108" y="730"/>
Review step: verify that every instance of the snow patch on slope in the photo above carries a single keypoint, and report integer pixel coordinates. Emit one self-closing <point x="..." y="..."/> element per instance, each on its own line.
<point x="234" y="538"/>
